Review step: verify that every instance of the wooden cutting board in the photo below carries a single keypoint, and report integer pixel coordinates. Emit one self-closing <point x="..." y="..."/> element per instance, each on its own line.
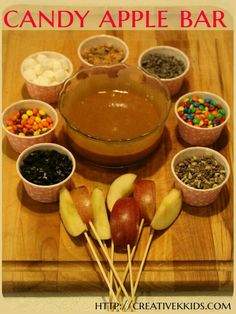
<point x="195" y="253"/>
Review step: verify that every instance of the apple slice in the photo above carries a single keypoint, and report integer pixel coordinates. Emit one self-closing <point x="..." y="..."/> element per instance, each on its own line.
<point x="124" y="221"/>
<point x="120" y="187"/>
<point x="82" y="201"/>
<point x="71" y="219"/>
<point x="168" y="210"/>
<point x="100" y="218"/>
<point x="145" y="196"/>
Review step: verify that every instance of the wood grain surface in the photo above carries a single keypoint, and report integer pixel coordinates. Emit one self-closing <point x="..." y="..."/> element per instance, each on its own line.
<point x="194" y="254"/>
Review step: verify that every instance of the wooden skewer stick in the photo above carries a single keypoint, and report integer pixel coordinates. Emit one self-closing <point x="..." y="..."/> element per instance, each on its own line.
<point x="130" y="273"/>
<point x="110" y="262"/>
<point x="132" y="255"/>
<point x="143" y="260"/>
<point x="100" y="265"/>
<point x="112" y="279"/>
<point x="110" y="271"/>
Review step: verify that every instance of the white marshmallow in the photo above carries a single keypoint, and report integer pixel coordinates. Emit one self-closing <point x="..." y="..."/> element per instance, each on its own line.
<point x="41" y="80"/>
<point x="29" y="75"/>
<point x="38" y="69"/>
<point x="40" y="58"/>
<point x="60" y="75"/>
<point x="50" y="75"/>
<point x="47" y="64"/>
<point x="56" y="65"/>
<point x="64" y="64"/>
<point x="29" y="63"/>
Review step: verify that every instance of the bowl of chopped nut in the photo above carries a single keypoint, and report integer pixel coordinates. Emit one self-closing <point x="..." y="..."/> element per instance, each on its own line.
<point x="200" y="173"/>
<point x="102" y="50"/>
<point x="170" y="64"/>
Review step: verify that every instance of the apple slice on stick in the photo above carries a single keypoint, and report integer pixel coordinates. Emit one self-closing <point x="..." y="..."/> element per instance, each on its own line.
<point x="75" y="227"/>
<point x="100" y="217"/>
<point x="117" y="277"/>
<point x="69" y="214"/>
<point x="92" y="209"/>
<point x="82" y="201"/>
<point x="100" y="228"/>
<point x="124" y="221"/>
<point x="118" y="291"/>
<point x="165" y="215"/>
<point x="145" y="196"/>
<point x="120" y="187"/>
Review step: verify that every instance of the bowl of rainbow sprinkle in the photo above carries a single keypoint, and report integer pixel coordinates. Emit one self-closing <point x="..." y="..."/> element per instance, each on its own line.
<point x="201" y="117"/>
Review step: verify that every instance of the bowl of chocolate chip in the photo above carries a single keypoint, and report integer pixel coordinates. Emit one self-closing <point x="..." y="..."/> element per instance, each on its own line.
<point x="200" y="173"/>
<point x="114" y="115"/>
<point x="170" y="64"/>
<point x="44" y="169"/>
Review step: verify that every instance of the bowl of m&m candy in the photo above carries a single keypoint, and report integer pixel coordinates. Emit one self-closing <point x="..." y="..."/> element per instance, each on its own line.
<point x="28" y="122"/>
<point x="201" y="117"/>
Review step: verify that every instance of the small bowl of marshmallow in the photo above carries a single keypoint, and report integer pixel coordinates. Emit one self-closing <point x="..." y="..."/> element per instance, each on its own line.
<point x="44" y="73"/>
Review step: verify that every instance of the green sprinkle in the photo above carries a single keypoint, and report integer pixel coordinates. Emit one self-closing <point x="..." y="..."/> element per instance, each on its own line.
<point x="201" y="107"/>
<point x="193" y="109"/>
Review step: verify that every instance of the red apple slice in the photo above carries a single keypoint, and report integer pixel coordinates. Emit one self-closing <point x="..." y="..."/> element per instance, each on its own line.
<point x="124" y="222"/>
<point x="82" y="201"/>
<point x="145" y="196"/>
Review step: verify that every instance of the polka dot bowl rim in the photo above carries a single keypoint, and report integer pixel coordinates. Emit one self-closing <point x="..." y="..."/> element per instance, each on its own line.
<point x="45" y="146"/>
<point x="208" y="95"/>
<point x="205" y="152"/>
<point x="175" y="51"/>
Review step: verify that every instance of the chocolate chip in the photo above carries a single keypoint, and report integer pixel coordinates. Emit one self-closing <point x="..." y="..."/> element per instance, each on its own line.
<point x="162" y="65"/>
<point x="201" y="172"/>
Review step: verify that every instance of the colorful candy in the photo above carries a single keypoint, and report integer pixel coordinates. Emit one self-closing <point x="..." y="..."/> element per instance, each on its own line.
<point x="29" y="122"/>
<point x="201" y="112"/>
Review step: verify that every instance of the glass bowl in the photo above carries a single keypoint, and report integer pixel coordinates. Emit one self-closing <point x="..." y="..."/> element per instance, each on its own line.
<point x="114" y="115"/>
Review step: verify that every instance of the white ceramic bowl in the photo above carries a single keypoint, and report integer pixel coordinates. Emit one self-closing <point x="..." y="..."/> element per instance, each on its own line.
<point x="198" y="136"/>
<point x="193" y="196"/>
<point x="19" y="143"/>
<point x="98" y="40"/>
<point x="44" y="193"/>
<point x="173" y="84"/>
<point x="47" y="93"/>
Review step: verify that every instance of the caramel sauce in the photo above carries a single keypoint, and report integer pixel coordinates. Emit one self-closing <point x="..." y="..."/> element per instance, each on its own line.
<point x="114" y="114"/>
